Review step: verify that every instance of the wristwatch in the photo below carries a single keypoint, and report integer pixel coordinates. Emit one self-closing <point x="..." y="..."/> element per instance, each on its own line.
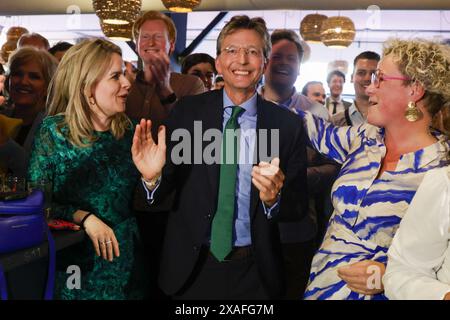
<point x="171" y="98"/>
<point x="151" y="184"/>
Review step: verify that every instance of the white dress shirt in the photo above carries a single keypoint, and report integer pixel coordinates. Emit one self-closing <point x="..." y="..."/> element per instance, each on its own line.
<point x="340" y="106"/>
<point x="419" y="257"/>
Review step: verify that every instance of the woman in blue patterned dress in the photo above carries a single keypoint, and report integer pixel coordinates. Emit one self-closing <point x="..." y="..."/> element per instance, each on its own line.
<point x="84" y="148"/>
<point x="383" y="163"/>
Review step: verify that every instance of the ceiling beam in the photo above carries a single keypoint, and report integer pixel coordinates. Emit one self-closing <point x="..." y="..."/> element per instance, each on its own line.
<point x="27" y="7"/>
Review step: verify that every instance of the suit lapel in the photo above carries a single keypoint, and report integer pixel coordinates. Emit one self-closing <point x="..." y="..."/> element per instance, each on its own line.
<point x="263" y="121"/>
<point x="213" y="118"/>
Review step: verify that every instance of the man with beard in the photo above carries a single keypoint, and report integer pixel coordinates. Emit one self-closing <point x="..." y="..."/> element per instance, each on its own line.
<point x="298" y="238"/>
<point x="334" y="102"/>
<point x="363" y="66"/>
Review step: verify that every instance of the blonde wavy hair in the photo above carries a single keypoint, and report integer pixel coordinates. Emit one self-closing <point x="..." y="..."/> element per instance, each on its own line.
<point x="76" y="77"/>
<point x="427" y="63"/>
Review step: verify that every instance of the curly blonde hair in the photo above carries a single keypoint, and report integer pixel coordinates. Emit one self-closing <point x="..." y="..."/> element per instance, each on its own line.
<point x="426" y="62"/>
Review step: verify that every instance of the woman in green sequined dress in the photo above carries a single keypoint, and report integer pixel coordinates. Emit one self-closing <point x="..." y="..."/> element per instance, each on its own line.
<point x="83" y="148"/>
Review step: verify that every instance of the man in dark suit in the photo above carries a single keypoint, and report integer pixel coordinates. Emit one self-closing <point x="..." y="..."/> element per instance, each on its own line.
<point x="152" y="96"/>
<point x="222" y="239"/>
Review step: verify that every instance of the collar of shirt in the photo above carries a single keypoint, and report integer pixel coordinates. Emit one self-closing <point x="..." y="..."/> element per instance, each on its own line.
<point x="249" y="105"/>
<point x="352" y="109"/>
<point x="355" y="116"/>
<point x="337" y="100"/>
<point x="286" y="104"/>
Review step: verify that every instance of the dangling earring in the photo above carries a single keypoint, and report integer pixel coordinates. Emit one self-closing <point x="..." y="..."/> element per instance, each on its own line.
<point x="413" y="113"/>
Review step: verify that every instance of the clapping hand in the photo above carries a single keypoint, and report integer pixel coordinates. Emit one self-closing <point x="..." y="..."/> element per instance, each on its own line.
<point x="148" y="156"/>
<point x="268" y="179"/>
<point x="157" y="71"/>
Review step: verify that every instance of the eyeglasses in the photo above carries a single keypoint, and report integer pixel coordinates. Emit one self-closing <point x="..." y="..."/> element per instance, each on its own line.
<point x="377" y="77"/>
<point x="233" y="51"/>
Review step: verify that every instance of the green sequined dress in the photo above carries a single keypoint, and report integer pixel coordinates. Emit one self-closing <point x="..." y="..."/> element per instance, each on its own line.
<point x="100" y="179"/>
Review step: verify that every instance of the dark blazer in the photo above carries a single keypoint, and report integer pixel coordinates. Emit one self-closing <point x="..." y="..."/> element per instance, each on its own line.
<point x="143" y="102"/>
<point x="196" y="188"/>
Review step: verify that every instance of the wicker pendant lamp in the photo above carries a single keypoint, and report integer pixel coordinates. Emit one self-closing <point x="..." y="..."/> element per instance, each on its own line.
<point x="181" y="5"/>
<point x="337" y="32"/>
<point x="310" y="27"/>
<point x="117" y="11"/>
<point x="120" y="32"/>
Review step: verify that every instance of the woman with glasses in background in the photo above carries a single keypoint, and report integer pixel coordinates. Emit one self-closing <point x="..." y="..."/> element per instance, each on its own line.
<point x="383" y="163"/>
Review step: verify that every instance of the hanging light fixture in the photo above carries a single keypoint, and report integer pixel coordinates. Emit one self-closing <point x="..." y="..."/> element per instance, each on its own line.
<point x="310" y="27"/>
<point x="121" y="32"/>
<point x="306" y="51"/>
<point x="117" y="11"/>
<point x="14" y="33"/>
<point x="337" y="32"/>
<point x="341" y="65"/>
<point x="181" y="5"/>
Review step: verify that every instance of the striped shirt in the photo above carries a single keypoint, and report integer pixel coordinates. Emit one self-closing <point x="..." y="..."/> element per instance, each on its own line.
<point x="367" y="209"/>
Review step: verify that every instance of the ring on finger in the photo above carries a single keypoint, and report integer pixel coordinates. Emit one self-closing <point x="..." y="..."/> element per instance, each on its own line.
<point x="108" y="242"/>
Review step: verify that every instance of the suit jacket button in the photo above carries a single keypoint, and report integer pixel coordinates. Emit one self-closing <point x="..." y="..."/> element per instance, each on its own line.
<point x="195" y="248"/>
<point x="208" y="216"/>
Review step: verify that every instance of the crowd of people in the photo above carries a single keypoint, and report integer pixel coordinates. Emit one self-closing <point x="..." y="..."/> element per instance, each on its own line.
<point x="307" y="196"/>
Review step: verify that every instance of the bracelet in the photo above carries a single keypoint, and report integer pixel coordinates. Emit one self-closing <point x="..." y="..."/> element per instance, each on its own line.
<point x="151" y="183"/>
<point x="84" y="219"/>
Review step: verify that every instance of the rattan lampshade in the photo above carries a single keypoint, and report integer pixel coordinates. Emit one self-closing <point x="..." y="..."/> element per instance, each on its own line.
<point x="117" y="11"/>
<point x="337" y="32"/>
<point x="341" y="65"/>
<point x="14" y="33"/>
<point x="181" y="5"/>
<point x="310" y="27"/>
<point x="121" y="32"/>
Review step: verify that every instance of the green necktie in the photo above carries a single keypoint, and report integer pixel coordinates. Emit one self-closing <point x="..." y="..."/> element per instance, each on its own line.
<point x="222" y="224"/>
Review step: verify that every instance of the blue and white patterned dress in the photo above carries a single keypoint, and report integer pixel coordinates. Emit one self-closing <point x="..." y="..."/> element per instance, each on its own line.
<point x="367" y="210"/>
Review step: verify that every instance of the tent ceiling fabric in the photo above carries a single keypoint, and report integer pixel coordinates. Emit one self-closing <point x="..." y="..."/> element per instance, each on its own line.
<point x="25" y="7"/>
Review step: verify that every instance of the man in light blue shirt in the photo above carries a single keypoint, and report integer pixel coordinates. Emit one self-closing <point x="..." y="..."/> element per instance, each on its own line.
<point x="208" y="253"/>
